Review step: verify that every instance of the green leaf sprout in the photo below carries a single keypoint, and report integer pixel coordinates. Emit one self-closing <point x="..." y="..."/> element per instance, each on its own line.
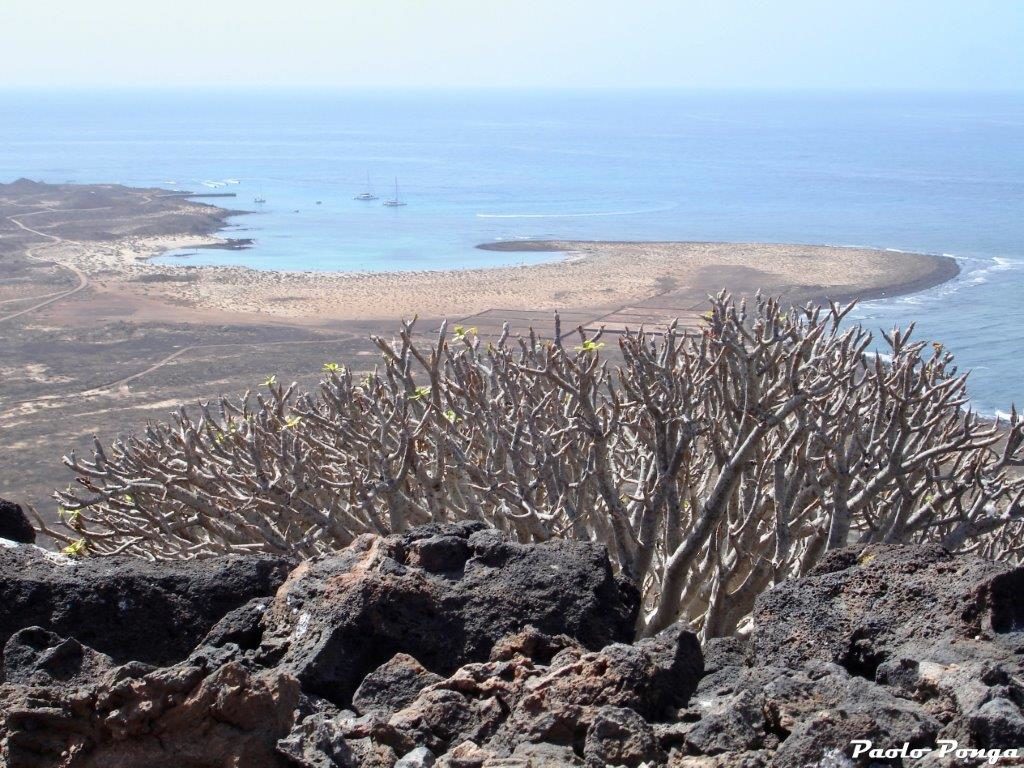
<point x="420" y="393"/>
<point x="75" y="548"/>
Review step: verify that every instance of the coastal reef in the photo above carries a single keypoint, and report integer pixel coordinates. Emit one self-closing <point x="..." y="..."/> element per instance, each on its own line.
<point x="453" y="645"/>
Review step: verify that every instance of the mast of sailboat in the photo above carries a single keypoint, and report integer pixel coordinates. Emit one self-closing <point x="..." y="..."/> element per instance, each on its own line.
<point x="394" y="202"/>
<point x="367" y="193"/>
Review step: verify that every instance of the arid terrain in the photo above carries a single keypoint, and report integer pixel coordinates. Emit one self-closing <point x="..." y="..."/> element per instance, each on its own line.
<point x="96" y="340"/>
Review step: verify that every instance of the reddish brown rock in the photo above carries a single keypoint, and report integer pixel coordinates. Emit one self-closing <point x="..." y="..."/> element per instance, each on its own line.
<point x="443" y="595"/>
<point x="183" y="715"/>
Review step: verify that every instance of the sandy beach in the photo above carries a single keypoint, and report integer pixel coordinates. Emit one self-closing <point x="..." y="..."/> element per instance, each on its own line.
<point x="607" y="280"/>
<point x="112" y="242"/>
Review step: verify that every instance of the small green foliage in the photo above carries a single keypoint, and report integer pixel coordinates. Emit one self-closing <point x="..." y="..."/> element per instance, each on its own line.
<point x="590" y="346"/>
<point x="75" y="548"/>
<point x="270" y="381"/>
<point x="68" y="515"/>
<point x="461" y="333"/>
<point x="420" y="393"/>
<point x="230" y="429"/>
<point x="452" y="416"/>
<point x="292" y="422"/>
<point x="333" y="368"/>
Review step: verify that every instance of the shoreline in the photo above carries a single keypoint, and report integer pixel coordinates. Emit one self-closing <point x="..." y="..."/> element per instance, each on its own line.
<point x="945" y="267"/>
<point x="623" y="283"/>
<point x="677" y="268"/>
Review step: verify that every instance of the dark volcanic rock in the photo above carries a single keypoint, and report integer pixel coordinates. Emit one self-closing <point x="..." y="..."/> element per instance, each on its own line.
<point x="620" y="737"/>
<point x="442" y="594"/>
<point x="392" y="685"/>
<point x="317" y="742"/>
<point x="803" y="716"/>
<point x="678" y="665"/>
<point x="126" y="608"/>
<point x="596" y="702"/>
<point x="941" y="633"/>
<point x="14" y="525"/>
<point x="652" y="677"/>
<point x="459" y="649"/>
<point x="37" y="657"/>
<point x="858" y="608"/>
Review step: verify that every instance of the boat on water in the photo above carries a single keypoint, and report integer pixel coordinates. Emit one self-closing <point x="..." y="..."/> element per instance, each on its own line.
<point x="260" y="199"/>
<point x="394" y="202"/>
<point x="368" y="194"/>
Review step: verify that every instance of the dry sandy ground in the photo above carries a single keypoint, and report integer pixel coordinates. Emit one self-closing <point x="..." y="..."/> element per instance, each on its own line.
<point x="656" y="281"/>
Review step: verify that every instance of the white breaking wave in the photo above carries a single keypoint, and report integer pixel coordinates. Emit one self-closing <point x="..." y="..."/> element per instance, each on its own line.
<point x="972" y="275"/>
<point x="981" y="276"/>
<point x="572" y="215"/>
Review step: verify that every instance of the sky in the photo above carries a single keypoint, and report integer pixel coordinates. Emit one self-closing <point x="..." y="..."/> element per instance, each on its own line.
<point x="765" y="44"/>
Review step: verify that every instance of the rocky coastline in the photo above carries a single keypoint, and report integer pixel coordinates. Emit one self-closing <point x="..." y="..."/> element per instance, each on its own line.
<point x="450" y="645"/>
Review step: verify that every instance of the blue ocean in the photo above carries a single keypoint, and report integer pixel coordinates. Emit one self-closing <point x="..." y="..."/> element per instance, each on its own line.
<point x="937" y="173"/>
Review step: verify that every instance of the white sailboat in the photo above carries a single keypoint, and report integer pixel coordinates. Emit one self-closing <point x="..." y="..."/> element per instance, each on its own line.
<point x="368" y="194"/>
<point x="394" y="202"/>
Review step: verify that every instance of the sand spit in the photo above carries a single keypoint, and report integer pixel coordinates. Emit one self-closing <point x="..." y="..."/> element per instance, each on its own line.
<point x="592" y="277"/>
<point x="113" y="239"/>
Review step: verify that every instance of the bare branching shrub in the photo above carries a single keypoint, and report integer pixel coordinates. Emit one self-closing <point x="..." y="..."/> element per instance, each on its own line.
<point x="712" y="464"/>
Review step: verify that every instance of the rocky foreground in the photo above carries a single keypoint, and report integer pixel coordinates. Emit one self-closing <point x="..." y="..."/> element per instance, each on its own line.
<point x="452" y="646"/>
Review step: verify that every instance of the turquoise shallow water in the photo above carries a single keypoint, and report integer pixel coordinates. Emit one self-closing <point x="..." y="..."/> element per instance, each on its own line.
<point x="917" y="172"/>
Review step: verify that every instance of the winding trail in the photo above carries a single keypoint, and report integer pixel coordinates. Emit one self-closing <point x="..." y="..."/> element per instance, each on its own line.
<point x="235" y="344"/>
<point x="83" y="283"/>
<point x="22" y="299"/>
<point x="94" y="391"/>
<point x="83" y="279"/>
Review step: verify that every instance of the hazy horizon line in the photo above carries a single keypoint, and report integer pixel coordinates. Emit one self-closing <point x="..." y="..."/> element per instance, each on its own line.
<point x="207" y="88"/>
